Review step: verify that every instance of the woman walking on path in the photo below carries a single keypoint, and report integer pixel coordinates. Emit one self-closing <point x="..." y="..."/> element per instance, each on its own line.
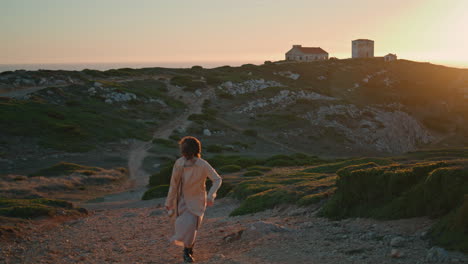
<point x="187" y="198"/>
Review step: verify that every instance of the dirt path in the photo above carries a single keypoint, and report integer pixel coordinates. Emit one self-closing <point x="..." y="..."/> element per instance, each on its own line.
<point x="139" y="234"/>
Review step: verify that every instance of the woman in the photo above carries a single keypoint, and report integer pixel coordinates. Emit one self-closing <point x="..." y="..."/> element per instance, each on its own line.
<point x="187" y="196"/>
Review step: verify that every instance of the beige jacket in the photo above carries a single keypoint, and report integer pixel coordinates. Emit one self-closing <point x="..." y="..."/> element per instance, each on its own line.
<point x="193" y="188"/>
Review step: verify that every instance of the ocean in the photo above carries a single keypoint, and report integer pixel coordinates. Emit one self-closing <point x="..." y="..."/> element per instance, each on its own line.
<point x="108" y="66"/>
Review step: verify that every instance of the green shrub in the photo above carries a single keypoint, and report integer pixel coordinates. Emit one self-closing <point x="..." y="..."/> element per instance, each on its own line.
<point x="31" y="208"/>
<point x="162" y="177"/>
<point x="258" y="168"/>
<point x="156" y="192"/>
<point x="65" y="168"/>
<point x="165" y="142"/>
<point x="334" y="167"/>
<point x="265" y="200"/>
<point x="250" y="133"/>
<point x="253" y="173"/>
<point x="230" y="168"/>
<point x="450" y="232"/>
<point x="215" y="148"/>
<point x="435" y="189"/>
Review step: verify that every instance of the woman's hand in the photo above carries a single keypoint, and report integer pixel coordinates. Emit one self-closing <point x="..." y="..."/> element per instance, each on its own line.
<point x="209" y="202"/>
<point x="168" y="208"/>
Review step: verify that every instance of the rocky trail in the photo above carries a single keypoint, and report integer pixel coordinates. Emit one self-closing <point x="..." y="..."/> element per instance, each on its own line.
<point x="139" y="234"/>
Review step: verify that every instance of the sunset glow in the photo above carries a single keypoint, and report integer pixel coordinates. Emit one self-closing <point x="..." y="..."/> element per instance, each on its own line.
<point x="220" y="31"/>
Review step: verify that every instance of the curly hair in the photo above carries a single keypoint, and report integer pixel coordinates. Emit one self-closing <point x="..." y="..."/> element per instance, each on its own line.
<point x="190" y="147"/>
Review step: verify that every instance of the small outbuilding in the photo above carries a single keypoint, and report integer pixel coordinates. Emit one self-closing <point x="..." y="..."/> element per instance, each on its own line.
<point x="299" y="53"/>
<point x="390" y="57"/>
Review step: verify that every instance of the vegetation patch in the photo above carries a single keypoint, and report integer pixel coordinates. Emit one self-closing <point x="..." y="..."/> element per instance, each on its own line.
<point x="402" y="190"/>
<point x="165" y="143"/>
<point x="31" y="208"/>
<point x="335" y="166"/>
<point x="269" y="191"/>
<point x="65" y="168"/>
<point x="156" y="192"/>
<point x="230" y="168"/>
<point x="253" y="173"/>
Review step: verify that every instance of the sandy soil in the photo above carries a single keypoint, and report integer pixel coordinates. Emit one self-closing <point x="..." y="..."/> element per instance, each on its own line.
<point x="136" y="231"/>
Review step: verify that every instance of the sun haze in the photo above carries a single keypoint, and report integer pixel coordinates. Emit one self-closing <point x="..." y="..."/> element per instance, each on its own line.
<point x="221" y="31"/>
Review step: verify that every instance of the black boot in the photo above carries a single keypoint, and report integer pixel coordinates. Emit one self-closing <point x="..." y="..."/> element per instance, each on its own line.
<point x="188" y="255"/>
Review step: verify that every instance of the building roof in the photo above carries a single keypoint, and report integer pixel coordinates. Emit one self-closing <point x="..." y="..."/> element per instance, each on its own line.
<point x="363" y="40"/>
<point x="390" y="54"/>
<point x="312" y="50"/>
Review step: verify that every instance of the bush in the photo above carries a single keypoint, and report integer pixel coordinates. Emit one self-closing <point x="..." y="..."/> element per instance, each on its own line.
<point x="156" y="192"/>
<point x="215" y="148"/>
<point x="253" y="173"/>
<point x="163" y="176"/>
<point x="230" y="168"/>
<point x="258" y="168"/>
<point x="165" y="142"/>
<point x="31" y="208"/>
<point x="436" y="189"/>
<point x="250" y="133"/>
<point x="65" y="168"/>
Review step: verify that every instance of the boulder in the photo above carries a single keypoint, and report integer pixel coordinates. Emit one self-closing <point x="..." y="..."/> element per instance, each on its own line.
<point x="206" y="132"/>
<point x="397" y="242"/>
<point x="437" y="255"/>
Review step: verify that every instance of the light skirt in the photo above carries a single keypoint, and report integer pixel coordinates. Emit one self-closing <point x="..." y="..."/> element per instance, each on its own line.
<point x="186" y="226"/>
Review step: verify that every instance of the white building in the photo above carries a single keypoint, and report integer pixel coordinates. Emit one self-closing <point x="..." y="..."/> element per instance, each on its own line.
<point x="299" y="53"/>
<point x="363" y="48"/>
<point x="390" y="57"/>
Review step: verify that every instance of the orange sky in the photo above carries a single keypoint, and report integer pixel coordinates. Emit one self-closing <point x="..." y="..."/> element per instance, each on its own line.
<point x="56" y="31"/>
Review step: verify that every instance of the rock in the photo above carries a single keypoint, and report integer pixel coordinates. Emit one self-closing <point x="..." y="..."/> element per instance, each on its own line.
<point x="437" y="255"/>
<point x="395" y="253"/>
<point x="233" y="236"/>
<point x="227" y="85"/>
<point x="198" y="92"/>
<point x="369" y="236"/>
<point x="206" y="132"/>
<point x="397" y="242"/>
<point x="156" y="213"/>
<point x="129" y="215"/>
<point x="424" y="235"/>
<point x="49" y="92"/>
<point x="97" y="84"/>
<point x="108" y="101"/>
<point x="264" y="227"/>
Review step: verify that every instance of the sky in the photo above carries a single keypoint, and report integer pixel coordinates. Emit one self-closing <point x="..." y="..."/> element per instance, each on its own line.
<point x="227" y="31"/>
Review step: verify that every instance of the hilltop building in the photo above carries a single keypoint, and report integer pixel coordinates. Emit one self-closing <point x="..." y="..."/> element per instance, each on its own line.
<point x="299" y="53"/>
<point x="390" y="57"/>
<point x="363" y="48"/>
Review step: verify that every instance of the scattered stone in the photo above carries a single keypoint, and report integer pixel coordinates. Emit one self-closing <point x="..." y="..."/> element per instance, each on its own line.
<point x="424" y="235"/>
<point x="108" y="101"/>
<point x="233" y="237"/>
<point x="261" y="228"/>
<point x="397" y="242"/>
<point x="206" y="132"/>
<point x="248" y="86"/>
<point x="129" y="215"/>
<point x="395" y="253"/>
<point x="198" y="93"/>
<point x="437" y="255"/>
<point x="156" y="213"/>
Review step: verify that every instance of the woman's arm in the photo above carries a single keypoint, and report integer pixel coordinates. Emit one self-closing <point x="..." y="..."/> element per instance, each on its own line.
<point x="216" y="179"/>
<point x="173" y="189"/>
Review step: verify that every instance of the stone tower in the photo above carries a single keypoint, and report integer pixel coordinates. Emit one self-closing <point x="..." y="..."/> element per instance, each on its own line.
<point x="363" y="48"/>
